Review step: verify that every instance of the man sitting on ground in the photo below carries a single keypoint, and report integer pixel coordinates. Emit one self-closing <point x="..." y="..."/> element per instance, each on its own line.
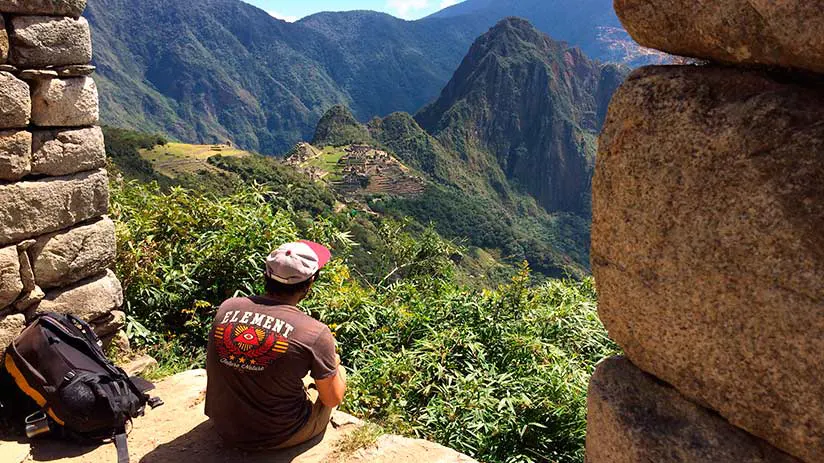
<point x="260" y="350"/>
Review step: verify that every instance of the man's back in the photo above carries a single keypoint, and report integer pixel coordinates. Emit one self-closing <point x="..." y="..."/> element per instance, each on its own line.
<point x="258" y="354"/>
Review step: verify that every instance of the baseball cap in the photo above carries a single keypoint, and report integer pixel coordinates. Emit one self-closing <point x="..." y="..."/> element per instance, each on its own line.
<point x="295" y="263"/>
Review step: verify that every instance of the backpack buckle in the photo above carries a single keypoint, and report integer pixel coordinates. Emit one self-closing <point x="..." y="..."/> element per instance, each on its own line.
<point x="36" y="424"/>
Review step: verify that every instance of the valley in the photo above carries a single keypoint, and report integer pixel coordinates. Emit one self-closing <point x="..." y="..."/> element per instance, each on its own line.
<point x="208" y="71"/>
<point x="505" y="169"/>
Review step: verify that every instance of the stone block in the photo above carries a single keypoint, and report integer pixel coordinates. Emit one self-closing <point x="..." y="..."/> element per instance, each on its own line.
<point x="10" y="283"/>
<point x="632" y="417"/>
<point x="28" y="300"/>
<point x="65" y="102"/>
<point x="15" y="154"/>
<point x="37" y="74"/>
<point x="26" y="271"/>
<point x="4" y="42"/>
<point x="88" y="299"/>
<point x="767" y="32"/>
<point x="77" y="70"/>
<point x="71" y="255"/>
<point x="15" y="102"/>
<point x="73" y="8"/>
<point x="109" y="324"/>
<point x="10" y="327"/>
<point x="13" y="451"/>
<point x="118" y="344"/>
<point x="32" y="208"/>
<point x="139" y="366"/>
<point x="707" y="243"/>
<point x="40" y="41"/>
<point x="63" y="152"/>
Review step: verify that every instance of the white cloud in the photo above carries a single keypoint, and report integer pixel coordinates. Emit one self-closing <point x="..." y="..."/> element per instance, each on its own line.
<point x="404" y="7"/>
<point x="285" y="17"/>
<point x="448" y="3"/>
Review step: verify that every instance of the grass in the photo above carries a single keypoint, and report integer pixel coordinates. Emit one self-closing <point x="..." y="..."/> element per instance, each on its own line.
<point x="361" y="438"/>
<point x="175" y="159"/>
<point x="328" y="161"/>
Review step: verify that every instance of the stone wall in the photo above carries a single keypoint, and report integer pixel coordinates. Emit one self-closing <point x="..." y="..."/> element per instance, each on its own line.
<point x="56" y="243"/>
<point x="708" y="239"/>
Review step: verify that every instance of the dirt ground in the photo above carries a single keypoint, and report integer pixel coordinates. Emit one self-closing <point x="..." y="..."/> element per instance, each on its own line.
<point x="179" y="431"/>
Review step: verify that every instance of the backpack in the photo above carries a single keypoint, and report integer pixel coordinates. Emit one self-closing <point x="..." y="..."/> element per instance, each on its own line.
<point x="58" y="362"/>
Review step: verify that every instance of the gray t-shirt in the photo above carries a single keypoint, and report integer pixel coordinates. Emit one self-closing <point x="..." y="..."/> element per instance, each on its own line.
<point x="258" y="354"/>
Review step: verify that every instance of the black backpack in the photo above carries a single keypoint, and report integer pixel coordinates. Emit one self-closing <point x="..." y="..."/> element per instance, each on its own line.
<point x="58" y="362"/>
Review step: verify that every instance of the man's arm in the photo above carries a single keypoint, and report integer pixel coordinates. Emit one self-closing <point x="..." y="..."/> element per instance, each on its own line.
<point x="332" y="389"/>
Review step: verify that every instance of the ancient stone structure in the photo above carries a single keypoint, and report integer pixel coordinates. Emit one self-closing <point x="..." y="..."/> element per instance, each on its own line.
<point x="56" y="243"/>
<point x="707" y="243"/>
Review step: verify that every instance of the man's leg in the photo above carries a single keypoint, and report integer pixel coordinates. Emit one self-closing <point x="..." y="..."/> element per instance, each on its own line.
<point x="319" y="417"/>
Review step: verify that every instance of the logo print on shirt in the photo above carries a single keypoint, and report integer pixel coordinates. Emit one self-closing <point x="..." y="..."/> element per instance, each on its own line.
<point x="248" y="347"/>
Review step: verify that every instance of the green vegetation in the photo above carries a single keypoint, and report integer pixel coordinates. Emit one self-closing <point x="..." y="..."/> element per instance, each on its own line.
<point x="306" y="199"/>
<point x="302" y="193"/>
<point x="554" y="245"/>
<point x="123" y="148"/>
<point x="500" y="374"/>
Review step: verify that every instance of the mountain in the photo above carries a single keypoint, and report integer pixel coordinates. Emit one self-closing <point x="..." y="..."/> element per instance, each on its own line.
<point x="507" y="150"/>
<point x="501" y="162"/>
<point x="591" y="25"/>
<point x="216" y="70"/>
<point x="339" y="127"/>
<point x="529" y="106"/>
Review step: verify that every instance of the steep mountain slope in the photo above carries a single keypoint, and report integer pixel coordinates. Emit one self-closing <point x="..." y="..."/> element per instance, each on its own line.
<point x="529" y="106"/>
<point x="212" y="70"/>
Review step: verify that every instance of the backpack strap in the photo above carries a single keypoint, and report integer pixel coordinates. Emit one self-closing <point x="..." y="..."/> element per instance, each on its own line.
<point x="122" y="445"/>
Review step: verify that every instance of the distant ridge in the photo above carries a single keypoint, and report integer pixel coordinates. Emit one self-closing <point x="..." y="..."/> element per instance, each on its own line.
<point x="208" y="71"/>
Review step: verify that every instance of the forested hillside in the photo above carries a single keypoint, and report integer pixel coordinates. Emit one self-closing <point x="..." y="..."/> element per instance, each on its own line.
<point x="530" y="108"/>
<point x="216" y="70"/>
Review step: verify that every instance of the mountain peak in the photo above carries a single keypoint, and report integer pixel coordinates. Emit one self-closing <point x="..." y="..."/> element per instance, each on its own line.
<point x="514" y="23"/>
<point x="339" y="127"/>
<point x="512" y="36"/>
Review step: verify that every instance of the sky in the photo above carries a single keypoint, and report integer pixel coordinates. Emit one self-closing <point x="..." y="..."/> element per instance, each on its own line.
<point x="292" y="10"/>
